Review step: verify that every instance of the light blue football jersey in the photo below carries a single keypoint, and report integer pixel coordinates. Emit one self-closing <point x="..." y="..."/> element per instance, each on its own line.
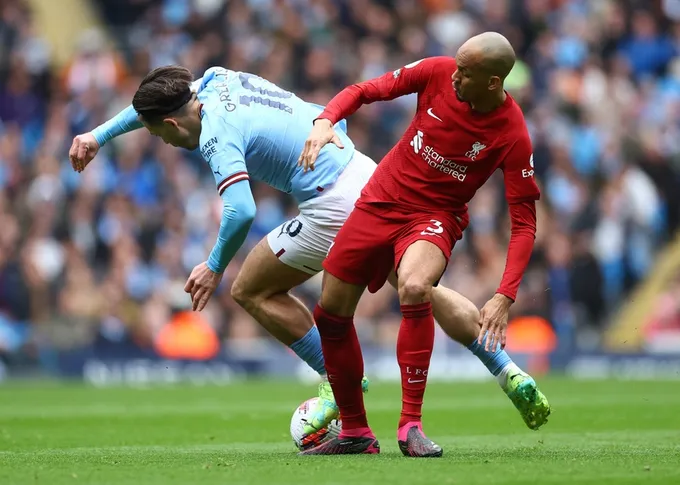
<point x="251" y="128"/>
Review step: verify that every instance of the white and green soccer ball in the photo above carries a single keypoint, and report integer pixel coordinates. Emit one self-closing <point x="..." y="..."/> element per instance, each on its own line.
<point x="298" y="421"/>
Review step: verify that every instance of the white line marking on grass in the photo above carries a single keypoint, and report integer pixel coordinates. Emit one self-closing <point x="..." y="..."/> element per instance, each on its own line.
<point x="240" y="408"/>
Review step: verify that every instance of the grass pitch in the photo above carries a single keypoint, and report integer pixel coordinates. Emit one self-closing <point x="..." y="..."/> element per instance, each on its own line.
<point x="601" y="432"/>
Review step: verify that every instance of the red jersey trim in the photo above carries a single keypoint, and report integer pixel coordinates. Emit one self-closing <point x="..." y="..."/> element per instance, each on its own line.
<point x="232" y="179"/>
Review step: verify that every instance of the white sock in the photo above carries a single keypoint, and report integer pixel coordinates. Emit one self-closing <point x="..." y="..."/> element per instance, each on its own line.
<point x="508" y="370"/>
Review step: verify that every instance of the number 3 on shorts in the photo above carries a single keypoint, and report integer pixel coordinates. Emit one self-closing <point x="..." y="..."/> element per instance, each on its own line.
<point x="433" y="231"/>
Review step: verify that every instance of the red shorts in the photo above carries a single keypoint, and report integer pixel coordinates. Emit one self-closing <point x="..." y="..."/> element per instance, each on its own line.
<point x="371" y="244"/>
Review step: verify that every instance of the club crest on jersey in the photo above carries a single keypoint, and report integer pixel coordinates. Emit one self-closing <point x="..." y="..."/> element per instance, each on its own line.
<point x="474" y="151"/>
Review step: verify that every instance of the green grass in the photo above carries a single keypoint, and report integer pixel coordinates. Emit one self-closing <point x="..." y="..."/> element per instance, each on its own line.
<point x="600" y="433"/>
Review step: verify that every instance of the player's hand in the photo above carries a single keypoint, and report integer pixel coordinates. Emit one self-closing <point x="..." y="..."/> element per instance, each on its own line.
<point x="494" y="319"/>
<point x="322" y="133"/>
<point x="201" y="284"/>
<point x="83" y="149"/>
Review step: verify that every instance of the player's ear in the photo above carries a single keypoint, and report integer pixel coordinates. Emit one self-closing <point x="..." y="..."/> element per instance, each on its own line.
<point x="495" y="83"/>
<point x="171" y="122"/>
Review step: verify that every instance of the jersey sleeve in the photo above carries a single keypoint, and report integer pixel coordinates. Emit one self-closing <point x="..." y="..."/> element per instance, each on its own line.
<point x="223" y="147"/>
<point x="237" y="217"/>
<point x="522" y="237"/>
<point x="518" y="172"/>
<point x="124" y="122"/>
<point x="411" y="78"/>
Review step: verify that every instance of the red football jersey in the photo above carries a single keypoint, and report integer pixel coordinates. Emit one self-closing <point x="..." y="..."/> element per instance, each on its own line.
<point x="449" y="150"/>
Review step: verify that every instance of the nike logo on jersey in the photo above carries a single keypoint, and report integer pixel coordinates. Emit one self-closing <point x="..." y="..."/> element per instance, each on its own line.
<point x="415" y="381"/>
<point x="429" y="111"/>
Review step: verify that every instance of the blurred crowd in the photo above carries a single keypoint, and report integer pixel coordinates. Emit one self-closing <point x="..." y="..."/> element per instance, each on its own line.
<point x="103" y="255"/>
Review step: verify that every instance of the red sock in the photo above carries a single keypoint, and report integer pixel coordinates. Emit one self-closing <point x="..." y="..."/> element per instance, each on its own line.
<point x="344" y="367"/>
<point x="414" y="349"/>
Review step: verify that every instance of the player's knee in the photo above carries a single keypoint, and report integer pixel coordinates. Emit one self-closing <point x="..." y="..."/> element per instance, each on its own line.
<point x="338" y="297"/>
<point x="243" y="294"/>
<point x="413" y="290"/>
<point x="336" y="304"/>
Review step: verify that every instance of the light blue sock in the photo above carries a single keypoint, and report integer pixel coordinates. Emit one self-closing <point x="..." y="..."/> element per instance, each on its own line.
<point x="308" y="348"/>
<point x="494" y="361"/>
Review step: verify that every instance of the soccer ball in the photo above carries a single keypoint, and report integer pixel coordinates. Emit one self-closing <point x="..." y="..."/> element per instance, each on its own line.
<point x="298" y="421"/>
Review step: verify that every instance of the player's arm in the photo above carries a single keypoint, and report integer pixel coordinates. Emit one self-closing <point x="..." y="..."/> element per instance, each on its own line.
<point x="223" y="148"/>
<point x="85" y="146"/>
<point x="124" y="122"/>
<point x="237" y="217"/>
<point x="521" y="193"/>
<point x="522" y="237"/>
<point x="412" y="78"/>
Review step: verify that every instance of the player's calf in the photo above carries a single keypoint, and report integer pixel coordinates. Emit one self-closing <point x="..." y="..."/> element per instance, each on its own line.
<point x="326" y="410"/>
<point x="262" y="288"/>
<point x="414" y="350"/>
<point x="456" y="315"/>
<point x="460" y="319"/>
<point x="342" y="351"/>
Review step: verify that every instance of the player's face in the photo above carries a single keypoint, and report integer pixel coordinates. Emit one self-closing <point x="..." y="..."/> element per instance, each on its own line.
<point x="172" y="133"/>
<point x="469" y="81"/>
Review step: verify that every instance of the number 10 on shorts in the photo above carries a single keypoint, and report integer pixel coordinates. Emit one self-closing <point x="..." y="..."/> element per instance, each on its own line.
<point x="433" y="230"/>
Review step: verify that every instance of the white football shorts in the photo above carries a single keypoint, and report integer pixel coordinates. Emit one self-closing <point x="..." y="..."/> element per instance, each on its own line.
<point x="303" y="242"/>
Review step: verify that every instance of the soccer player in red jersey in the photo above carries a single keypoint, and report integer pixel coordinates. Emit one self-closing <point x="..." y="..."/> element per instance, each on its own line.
<point x="409" y="216"/>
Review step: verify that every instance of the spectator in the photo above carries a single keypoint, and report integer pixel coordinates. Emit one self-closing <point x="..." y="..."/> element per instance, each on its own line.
<point x="91" y="256"/>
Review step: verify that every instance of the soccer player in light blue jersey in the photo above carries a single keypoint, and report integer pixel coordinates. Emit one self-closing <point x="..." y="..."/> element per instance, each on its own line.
<point x="248" y="128"/>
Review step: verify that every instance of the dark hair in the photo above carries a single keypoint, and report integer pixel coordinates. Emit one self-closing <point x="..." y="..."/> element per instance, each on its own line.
<point x="163" y="91"/>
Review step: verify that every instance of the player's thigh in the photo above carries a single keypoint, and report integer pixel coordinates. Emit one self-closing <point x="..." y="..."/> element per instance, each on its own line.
<point x="263" y="275"/>
<point x="422" y="263"/>
<point x="362" y="254"/>
<point x="303" y="242"/>
<point x="422" y="252"/>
